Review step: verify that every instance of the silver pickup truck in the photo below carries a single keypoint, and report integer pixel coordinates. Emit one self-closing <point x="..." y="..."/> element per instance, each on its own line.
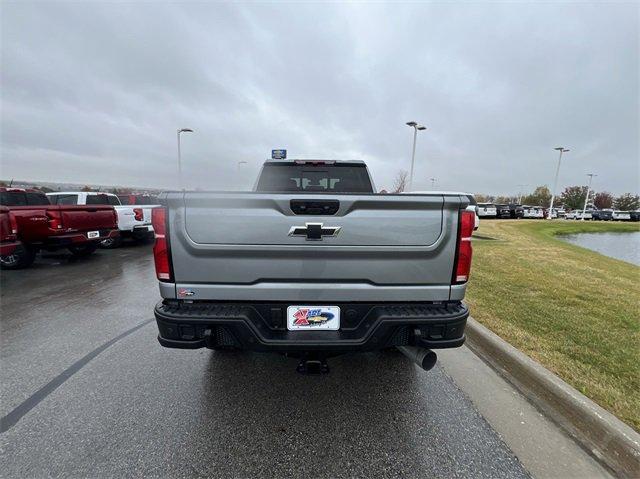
<point x="313" y="263"/>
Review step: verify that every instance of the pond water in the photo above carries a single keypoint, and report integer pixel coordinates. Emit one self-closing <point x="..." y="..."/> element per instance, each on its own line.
<point x="624" y="246"/>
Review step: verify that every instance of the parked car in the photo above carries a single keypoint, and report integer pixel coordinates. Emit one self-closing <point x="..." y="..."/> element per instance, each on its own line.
<point x="38" y="225"/>
<point x="487" y="210"/>
<point x="532" y="212"/>
<point x="634" y="215"/>
<point x="602" y="215"/>
<point x="503" y="211"/>
<point x="133" y="222"/>
<point x="562" y="214"/>
<point x="617" y="215"/>
<point x="516" y="211"/>
<point x="313" y="263"/>
<point x="578" y="215"/>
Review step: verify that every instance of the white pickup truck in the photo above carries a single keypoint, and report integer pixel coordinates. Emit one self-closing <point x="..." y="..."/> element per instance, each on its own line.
<point x="133" y="221"/>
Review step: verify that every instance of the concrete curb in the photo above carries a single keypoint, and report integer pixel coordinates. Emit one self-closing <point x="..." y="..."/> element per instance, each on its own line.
<point x="610" y="440"/>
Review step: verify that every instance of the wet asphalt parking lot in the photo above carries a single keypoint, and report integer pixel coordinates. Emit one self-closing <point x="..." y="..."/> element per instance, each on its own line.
<point x="87" y="391"/>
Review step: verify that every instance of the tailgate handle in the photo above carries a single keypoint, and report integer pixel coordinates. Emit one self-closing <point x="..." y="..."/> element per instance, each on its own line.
<point x="315" y="207"/>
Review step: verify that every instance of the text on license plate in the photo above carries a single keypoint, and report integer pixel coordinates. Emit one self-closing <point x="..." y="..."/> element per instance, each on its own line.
<point x="313" y="318"/>
<point x="93" y="234"/>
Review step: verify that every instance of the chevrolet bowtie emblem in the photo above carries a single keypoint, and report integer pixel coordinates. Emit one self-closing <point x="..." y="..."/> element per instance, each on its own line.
<point x="314" y="231"/>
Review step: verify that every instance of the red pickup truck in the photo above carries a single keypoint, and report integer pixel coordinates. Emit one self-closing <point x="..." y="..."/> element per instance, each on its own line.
<point x="29" y="223"/>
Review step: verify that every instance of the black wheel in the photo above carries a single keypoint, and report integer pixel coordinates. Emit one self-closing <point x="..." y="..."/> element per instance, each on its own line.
<point x="111" y="242"/>
<point x="21" y="257"/>
<point x="84" y="250"/>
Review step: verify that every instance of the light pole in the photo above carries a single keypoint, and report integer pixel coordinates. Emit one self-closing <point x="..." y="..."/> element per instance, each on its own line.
<point x="181" y="130"/>
<point x="562" y="150"/>
<point x="433" y="183"/>
<point x="586" y="200"/>
<point x="520" y="192"/>
<point x="415" y="127"/>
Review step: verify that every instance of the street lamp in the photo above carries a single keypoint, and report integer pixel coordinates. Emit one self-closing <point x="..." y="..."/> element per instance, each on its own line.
<point x="586" y="200"/>
<point x="433" y="183"/>
<point x="181" y="130"/>
<point x="415" y="127"/>
<point x="562" y="150"/>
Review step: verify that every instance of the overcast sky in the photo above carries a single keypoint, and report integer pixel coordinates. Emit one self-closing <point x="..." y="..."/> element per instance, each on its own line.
<point x="94" y="92"/>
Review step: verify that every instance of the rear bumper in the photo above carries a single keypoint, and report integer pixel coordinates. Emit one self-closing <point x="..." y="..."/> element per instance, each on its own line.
<point x="72" y="239"/>
<point x="139" y="232"/>
<point x="262" y="327"/>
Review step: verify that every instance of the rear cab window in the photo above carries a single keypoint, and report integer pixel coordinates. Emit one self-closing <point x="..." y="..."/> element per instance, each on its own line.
<point x="98" y="199"/>
<point x="314" y="177"/>
<point x="13" y="198"/>
<point x="64" y="199"/>
<point x="37" y="199"/>
<point x="23" y="198"/>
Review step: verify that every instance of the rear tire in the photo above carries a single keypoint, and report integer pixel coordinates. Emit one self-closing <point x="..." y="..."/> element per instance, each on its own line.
<point x="111" y="243"/>
<point x="22" y="257"/>
<point x="84" y="250"/>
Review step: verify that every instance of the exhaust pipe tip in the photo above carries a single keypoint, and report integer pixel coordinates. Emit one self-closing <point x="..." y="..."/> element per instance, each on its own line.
<point x="425" y="358"/>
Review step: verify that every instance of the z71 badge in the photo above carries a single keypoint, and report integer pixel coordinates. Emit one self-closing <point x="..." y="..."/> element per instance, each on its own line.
<point x="313" y="317"/>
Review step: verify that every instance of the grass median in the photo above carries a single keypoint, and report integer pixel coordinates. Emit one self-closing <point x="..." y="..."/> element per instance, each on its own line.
<point x="575" y="311"/>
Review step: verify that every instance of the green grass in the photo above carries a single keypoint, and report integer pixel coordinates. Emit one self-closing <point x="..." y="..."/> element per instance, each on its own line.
<point x="575" y="311"/>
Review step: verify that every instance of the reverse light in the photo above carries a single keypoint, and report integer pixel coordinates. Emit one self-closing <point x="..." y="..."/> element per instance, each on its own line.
<point x="464" y="252"/>
<point x="138" y="214"/>
<point x="161" y="246"/>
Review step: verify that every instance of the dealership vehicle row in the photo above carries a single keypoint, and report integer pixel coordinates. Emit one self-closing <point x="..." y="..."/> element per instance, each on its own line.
<point x="79" y="222"/>
<point x="517" y="211"/>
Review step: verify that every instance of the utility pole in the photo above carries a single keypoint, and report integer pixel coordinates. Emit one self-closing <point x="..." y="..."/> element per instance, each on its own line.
<point x="555" y="182"/>
<point x="586" y="200"/>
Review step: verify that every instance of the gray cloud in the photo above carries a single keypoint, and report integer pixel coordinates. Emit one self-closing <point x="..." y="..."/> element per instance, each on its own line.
<point x="94" y="92"/>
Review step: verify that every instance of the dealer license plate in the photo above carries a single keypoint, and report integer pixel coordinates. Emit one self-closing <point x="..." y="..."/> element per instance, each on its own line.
<point x="313" y="318"/>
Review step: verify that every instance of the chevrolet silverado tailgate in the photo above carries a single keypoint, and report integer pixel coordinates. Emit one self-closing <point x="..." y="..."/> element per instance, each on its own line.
<point x="360" y="247"/>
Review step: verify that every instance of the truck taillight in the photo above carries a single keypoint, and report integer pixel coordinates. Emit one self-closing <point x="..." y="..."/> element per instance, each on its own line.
<point x="13" y="221"/>
<point x="161" y="251"/>
<point x="54" y="219"/>
<point x="138" y="214"/>
<point x="464" y="253"/>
